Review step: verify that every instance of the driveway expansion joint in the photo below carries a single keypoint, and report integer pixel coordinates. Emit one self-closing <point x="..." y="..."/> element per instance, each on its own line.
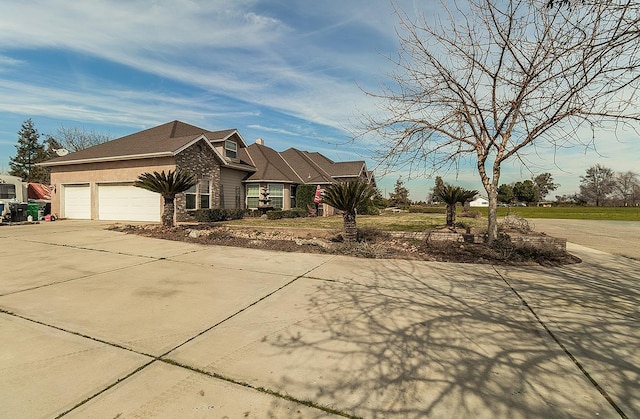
<point x="243" y="309"/>
<point x="566" y="350"/>
<point x="287" y="397"/>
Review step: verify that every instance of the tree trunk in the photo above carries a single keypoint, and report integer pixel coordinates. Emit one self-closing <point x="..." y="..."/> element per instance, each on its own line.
<point x="350" y="229"/>
<point x="168" y="211"/>
<point x="492" y="229"/>
<point x="451" y="215"/>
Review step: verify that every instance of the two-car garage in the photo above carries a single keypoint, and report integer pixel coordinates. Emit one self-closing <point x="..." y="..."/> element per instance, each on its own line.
<point x="110" y="201"/>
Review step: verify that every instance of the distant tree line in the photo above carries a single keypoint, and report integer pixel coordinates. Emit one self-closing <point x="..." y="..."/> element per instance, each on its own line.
<point x="600" y="186"/>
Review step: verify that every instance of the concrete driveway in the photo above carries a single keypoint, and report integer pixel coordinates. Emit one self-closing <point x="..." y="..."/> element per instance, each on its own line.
<point x="95" y="323"/>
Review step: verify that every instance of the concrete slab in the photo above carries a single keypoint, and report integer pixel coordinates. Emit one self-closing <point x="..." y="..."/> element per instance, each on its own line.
<point x="144" y="246"/>
<point x="375" y="351"/>
<point x="149" y="308"/>
<point x="366" y="337"/>
<point x="25" y="265"/>
<point x="255" y="260"/>
<point x="56" y="227"/>
<point x="593" y="309"/>
<point x="94" y="238"/>
<point x="616" y="237"/>
<point x="166" y="391"/>
<point x="45" y="372"/>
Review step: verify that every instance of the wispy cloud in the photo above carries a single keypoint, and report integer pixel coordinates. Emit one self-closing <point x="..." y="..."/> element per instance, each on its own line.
<point x="223" y="47"/>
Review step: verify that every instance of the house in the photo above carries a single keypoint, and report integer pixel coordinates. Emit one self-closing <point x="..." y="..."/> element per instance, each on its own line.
<point x="479" y="202"/>
<point x="97" y="183"/>
<point x="283" y="172"/>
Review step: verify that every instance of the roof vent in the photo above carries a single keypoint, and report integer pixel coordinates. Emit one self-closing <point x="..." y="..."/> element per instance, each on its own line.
<point x="260" y="141"/>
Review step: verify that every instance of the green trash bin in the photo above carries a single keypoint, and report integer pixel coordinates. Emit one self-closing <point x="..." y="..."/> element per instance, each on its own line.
<point x="32" y="210"/>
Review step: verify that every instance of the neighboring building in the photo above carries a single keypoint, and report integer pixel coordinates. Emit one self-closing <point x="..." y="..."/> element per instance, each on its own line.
<point x="479" y="202"/>
<point x="97" y="183"/>
<point x="283" y="172"/>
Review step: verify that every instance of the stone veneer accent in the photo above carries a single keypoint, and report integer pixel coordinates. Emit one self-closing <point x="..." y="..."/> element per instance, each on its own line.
<point x="200" y="160"/>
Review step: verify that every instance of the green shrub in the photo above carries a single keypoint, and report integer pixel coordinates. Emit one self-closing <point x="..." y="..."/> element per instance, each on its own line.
<point x="275" y="215"/>
<point x="236" y="214"/>
<point x="279" y="214"/>
<point x="253" y="213"/>
<point x="296" y="213"/>
<point x="305" y="195"/>
<point x="212" y="215"/>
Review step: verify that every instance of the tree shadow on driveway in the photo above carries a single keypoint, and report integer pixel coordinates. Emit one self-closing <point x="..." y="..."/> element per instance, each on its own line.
<point x="592" y="310"/>
<point x="427" y="340"/>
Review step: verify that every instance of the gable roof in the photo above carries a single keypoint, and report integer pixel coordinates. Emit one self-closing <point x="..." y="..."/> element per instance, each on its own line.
<point x="270" y="166"/>
<point x="296" y="166"/>
<point x="164" y="140"/>
<point x="306" y="169"/>
<point x="337" y="169"/>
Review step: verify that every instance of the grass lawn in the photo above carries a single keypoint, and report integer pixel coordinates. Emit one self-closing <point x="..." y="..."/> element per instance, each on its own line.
<point x="572" y="213"/>
<point x="419" y="222"/>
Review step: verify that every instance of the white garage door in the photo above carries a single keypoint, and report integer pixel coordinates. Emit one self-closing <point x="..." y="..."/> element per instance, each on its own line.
<point x="125" y="202"/>
<point x="77" y="202"/>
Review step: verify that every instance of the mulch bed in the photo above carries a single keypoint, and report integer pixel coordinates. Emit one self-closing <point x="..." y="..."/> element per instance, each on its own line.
<point x="374" y="245"/>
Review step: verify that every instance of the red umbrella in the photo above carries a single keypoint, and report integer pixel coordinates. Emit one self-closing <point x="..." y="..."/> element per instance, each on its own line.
<point x="318" y="197"/>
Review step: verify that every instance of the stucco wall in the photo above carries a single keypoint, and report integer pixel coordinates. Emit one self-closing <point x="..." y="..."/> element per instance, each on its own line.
<point x="94" y="173"/>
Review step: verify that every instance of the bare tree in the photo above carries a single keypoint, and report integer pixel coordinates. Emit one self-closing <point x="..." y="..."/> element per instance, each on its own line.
<point x="75" y="139"/>
<point x="485" y="81"/>
<point x="627" y="186"/>
<point x="597" y="185"/>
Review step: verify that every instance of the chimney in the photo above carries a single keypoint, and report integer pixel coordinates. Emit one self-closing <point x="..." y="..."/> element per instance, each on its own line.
<point x="260" y="141"/>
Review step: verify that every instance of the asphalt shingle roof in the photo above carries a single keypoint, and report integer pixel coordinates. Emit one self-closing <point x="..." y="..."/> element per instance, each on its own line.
<point x="297" y="166"/>
<point x="292" y="165"/>
<point x="166" y="138"/>
<point x="269" y="164"/>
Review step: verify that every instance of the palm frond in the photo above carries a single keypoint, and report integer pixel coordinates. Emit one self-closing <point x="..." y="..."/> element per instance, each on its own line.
<point x="451" y="195"/>
<point x="347" y="196"/>
<point x="166" y="183"/>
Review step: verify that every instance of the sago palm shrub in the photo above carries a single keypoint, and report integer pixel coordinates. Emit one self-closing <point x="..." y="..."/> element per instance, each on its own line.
<point x="451" y="195"/>
<point x="168" y="185"/>
<point x="346" y="197"/>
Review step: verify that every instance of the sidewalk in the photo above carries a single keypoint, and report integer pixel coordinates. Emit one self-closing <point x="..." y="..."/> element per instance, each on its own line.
<point x="96" y="323"/>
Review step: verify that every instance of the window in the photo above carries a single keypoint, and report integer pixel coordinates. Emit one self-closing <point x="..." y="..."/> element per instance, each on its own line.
<point x="231" y="149"/>
<point x="205" y="193"/>
<point x="190" y="194"/>
<point x="7" y="191"/>
<point x="253" y="195"/>
<point x="199" y="195"/>
<point x="276" y="194"/>
<point x="293" y="190"/>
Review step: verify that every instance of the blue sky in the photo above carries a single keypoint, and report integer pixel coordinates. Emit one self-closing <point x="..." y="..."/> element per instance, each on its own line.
<point x="284" y="71"/>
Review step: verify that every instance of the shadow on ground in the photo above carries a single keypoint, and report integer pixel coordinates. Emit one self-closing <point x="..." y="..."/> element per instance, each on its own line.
<point x="406" y="340"/>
